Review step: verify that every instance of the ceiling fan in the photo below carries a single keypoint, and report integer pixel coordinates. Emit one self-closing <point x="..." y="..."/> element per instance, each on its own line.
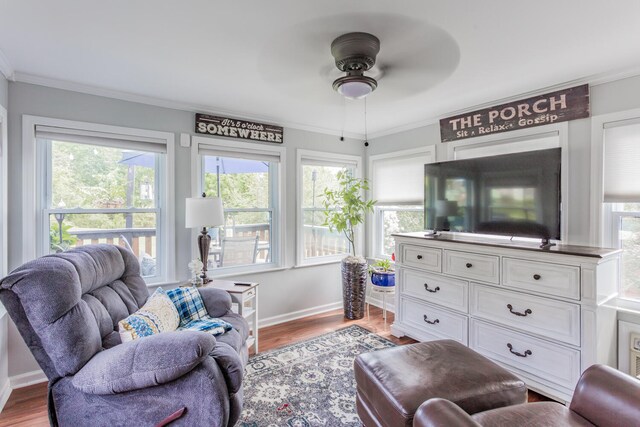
<point x="355" y="53"/>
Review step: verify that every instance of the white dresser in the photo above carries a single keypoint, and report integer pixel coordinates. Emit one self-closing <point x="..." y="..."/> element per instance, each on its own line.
<point x="543" y="314"/>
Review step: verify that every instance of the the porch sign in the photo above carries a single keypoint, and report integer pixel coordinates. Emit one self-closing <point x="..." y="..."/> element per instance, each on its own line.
<point x="235" y="128"/>
<point x="554" y="107"/>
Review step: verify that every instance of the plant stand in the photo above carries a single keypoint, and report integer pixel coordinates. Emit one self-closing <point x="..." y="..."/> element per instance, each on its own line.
<point x="354" y="286"/>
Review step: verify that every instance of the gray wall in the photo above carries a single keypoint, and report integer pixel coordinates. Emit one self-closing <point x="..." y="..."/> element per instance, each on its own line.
<point x="281" y="292"/>
<point x="606" y="98"/>
<point x="4" y="318"/>
<point x="4" y="91"/>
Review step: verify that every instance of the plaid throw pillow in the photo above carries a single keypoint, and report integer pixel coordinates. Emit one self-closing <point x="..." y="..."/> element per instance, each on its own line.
<point x="189" y="304"/>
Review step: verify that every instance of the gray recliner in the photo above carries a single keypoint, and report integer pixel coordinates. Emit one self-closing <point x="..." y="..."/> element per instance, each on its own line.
<point x="67" y="307"/>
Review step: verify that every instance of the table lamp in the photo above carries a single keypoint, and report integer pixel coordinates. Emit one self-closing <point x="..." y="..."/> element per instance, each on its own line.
<point x="204" y="212"/>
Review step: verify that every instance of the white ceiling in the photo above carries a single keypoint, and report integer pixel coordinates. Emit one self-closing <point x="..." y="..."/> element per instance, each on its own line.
<point x="271" y="60"/>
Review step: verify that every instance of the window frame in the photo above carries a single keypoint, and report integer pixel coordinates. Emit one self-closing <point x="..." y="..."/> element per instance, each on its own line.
<point x="326" y="159"/>
<point x="34" y="206"/>
<point x="4" y="176"/>
<point x="605" y="220"/>
<point x="278" y="193"/>
<point x="379" y="211"/>
<point x="375" y="224"/>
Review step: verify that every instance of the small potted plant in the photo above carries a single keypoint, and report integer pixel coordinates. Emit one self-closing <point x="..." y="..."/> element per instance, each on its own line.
<point x="383" y="274"/>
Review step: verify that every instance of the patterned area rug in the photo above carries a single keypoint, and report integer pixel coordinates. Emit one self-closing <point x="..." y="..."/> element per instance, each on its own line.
<point x="307" y="384"/>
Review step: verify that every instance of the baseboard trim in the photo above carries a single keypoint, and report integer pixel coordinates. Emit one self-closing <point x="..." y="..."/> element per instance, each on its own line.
<point x="27" y="379"/>
<point x="294" y="315"/>
<point x="5" y="392"/>
<point x="287" y="317"/>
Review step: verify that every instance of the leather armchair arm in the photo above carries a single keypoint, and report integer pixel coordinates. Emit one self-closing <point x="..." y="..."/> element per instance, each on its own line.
<point x="607" y="397"/>
<point x="438" y="412"/>
<point x="216" y="301"/>
<point x="144" y="362"/>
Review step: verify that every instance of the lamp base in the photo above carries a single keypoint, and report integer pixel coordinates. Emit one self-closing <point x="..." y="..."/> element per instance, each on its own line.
<point x="204" y="241"/>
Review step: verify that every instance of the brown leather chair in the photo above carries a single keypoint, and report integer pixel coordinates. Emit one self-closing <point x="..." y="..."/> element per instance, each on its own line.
<point x="604" y="397"/>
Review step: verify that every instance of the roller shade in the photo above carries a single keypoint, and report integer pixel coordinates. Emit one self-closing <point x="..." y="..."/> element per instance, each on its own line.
<point x="399" y="180"/>
<point x="622" y="164"/>
<point x="336" y="163"/>
<point x="260" y="155"/>
<point x="127" y="142"/>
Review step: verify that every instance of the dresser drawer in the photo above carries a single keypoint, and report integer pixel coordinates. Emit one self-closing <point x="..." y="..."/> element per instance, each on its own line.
<point x="434" y="288"/>
<point x="542" y="316"/>
<point x="433" y="320"/>
<point x="550" y="362"/>
<point x="421" y="257"/>
<point x="545" y="278"/>
<point x="472" y="266"/>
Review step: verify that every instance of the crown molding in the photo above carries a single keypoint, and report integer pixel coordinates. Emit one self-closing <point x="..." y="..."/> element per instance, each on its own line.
<point x="592" y="80"/>
<point x="5" y="67"/>
<point x="175" y="105"/>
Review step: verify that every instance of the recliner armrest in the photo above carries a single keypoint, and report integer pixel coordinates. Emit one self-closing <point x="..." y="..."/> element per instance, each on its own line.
<point x="144" y="362"/>
<point x="230" y="364"/>
<point x="438" y="412"/>
<point x="607" y="397"/>
<point x="216" y="301"/>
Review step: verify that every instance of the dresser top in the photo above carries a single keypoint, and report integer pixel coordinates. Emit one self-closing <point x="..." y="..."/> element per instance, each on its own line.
<point x="504" y="242"/>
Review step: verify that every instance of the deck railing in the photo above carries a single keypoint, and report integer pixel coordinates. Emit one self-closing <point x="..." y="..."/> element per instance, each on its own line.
<point x="319" y="241"/>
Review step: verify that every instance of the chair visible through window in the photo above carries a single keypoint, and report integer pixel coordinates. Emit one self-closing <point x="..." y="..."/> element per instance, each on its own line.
<point x="238" y="251"/>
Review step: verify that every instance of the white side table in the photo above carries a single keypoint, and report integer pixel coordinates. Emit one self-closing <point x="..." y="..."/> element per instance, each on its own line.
<point x="247" y="299"/>
<point x="384" y="291"/>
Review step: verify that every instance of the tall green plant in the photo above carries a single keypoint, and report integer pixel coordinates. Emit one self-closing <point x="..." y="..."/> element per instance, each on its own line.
<point x="344" y="208"/>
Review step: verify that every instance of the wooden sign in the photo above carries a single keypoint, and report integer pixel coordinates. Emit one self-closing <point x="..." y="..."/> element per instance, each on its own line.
<point x="234" y="128"/>
<point x="554" y="107"/>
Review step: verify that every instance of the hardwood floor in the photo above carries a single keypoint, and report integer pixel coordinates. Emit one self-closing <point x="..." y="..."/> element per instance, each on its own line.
<point x="28" y="406"/>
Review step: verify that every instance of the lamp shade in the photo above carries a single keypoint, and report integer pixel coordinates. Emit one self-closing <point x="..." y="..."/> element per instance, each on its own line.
<point x="203" y="212"/>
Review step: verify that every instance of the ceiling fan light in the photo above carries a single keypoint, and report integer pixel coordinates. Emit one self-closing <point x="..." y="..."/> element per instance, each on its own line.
<point x="355" y="87"/>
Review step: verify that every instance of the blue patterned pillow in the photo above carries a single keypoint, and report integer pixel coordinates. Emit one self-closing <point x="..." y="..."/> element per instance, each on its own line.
<point x="157" y="315"/>
<point x="189" y="304"/>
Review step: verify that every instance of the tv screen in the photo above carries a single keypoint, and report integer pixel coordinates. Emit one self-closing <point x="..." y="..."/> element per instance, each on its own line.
<point x="512" y="194"/>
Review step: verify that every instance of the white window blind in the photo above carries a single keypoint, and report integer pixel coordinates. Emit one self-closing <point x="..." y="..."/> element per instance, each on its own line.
<point x="622" y="164"/>
<point x="127" y="142"/>
<point x="399" y="179"/>
<point x="337" y="163"/>
<point x="260" y="155"/>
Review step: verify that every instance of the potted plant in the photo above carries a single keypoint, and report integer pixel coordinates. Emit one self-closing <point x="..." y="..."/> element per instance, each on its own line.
<point x="383" y="274"/>
<point x="344" y="209"/>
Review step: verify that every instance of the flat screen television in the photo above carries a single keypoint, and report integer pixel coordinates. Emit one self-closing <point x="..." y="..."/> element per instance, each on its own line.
<point x="512" y="194"/>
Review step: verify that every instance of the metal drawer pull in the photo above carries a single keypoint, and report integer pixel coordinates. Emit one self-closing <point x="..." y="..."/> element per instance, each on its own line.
<point x="526" y="312"/>
<point x="526" y="353"/>
<point x="537" y="277"/>
<point x="419" y="256"/>
<point x="426" y="288"/>
<point x="431" y="322"/>
<point x="469" y="265"/>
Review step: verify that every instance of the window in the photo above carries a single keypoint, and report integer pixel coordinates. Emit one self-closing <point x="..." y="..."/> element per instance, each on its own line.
<point x="398" y="187"/>
<point x="98" y="187"/>
<point x="247" y="178"/>
<point x="626" y="235"/>
<point x="317" y="171"/>
<point x="621" y="195"/>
